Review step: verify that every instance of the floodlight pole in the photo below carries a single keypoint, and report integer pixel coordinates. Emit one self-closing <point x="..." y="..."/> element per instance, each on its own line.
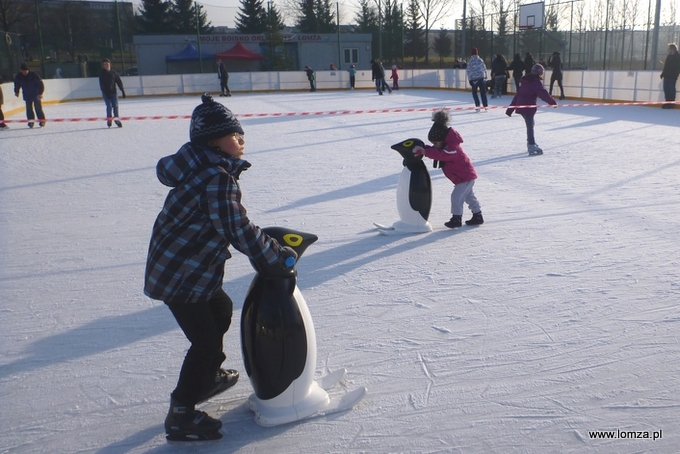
<point x="462" y="39"/>
<point x="655" y="36"/>
<point x="120" y="38"/>
<point x="198" y="39"/>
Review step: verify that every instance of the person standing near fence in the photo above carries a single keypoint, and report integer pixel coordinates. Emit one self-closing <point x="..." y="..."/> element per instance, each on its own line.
<point x="476" y="74"/>
<point x="378" y="76"/>
<point x="3" y="125"/>
<point x="499" y="72"/>
<point x="517" y="68"/>
<point x="352" y="76"/>
<point x="33" y="88"/>
<point x="555" y="62"/>
<point x="310" y="78"/>
<point x="669" y="74"/>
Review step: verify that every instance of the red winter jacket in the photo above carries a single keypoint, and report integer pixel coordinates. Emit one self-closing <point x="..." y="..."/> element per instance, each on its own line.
<point x="455" y="163"/>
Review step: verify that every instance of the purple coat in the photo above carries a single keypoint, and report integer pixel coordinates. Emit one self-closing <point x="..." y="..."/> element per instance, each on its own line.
<point x="455" y="163"/>
<point x="530" y="88"/>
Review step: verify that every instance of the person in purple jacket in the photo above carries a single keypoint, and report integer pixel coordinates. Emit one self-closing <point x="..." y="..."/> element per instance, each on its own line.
<point x="456" y="166"/>
<point x="530" y="89"/>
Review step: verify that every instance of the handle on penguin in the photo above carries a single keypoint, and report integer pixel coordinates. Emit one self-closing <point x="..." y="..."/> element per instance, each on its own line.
<point x="405" y="149"/>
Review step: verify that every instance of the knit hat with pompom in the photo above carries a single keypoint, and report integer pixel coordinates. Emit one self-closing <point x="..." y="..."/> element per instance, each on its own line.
<point x="211" y="120"/>
<point x="440" y="128"/>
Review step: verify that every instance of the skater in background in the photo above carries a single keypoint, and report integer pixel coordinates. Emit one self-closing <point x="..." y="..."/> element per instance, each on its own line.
<point x="33" y="88"/>
<point x="201" y="217"/>
<point x="456" y="166"/>
<point x="669" y="75"/>
<point x="352" y="76"/>
<point x="476" y="74"/>
<point x="310" y="77"/>
<point x="529" y="63"/>
<point x="530" y="89"/>
<point x="108" y="80"/>
<point x="555" y="62"/>
<point x="395" y="78"/>
<point x="377" y="76"/>
<point x="517" y="68"/>
<point x="223" y="76"/>
<point x="499" y="74"/>
<point x="385" y="85"/>
<point x="3" y="125"/>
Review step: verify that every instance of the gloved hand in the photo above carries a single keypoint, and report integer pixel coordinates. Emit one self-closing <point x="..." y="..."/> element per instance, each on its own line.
<point x="418" y="150"/>
<point x="285" y="267"/>
<point x="123" y="94"/>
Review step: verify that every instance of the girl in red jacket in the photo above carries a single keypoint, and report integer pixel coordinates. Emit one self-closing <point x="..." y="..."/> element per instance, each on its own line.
<point x="456" y="166"/>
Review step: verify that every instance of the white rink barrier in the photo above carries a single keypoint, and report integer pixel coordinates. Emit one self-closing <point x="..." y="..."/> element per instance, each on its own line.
<point x="624" y="86"/>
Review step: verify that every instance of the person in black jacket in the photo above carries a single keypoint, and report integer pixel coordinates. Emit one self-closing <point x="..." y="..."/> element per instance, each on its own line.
<point x="310" y="78"/>
<point x="669" y="74"/>
<point x="33" y="88"/>
<point x="499" y="73"/>
<point x="555" y="62"/>
<point x="517" y="68"/>
<point x="529" y="63"/>
<point x="108" y="79"/>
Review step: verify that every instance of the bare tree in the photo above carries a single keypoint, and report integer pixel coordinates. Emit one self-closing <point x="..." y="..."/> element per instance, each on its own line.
<point x="432" y="11"/>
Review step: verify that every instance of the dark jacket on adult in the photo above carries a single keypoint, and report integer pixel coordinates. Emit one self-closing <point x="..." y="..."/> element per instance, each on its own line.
<point x="671" y="67"/>
<point x="376" y="71"/>
<point x="202" y="215"/>
<point x="499" y="67"/>
<point x="530" y="89"/>
<point x="555" y="62"/>
<point x="222" y="72"/>
<point x="529" y="63"/>
<point x="31" y="84"/>
<point x="108" y="81"/>
<point x="517" y="67"/>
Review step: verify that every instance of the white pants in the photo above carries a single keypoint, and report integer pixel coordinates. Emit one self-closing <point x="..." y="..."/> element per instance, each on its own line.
<point x="463" y="193"/>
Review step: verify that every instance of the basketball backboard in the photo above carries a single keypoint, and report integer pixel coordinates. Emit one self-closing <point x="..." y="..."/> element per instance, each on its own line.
<point x="531" y="15"/>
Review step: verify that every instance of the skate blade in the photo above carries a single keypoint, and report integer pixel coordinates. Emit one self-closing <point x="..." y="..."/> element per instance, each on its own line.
<point x="207" y="436"/>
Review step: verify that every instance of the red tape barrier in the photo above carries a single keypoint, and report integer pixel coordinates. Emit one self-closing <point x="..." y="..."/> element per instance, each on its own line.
<point x="345" y="112"/>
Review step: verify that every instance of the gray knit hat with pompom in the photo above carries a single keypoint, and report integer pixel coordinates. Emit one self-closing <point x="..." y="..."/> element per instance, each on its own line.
<point x="211" y="120"/>
<point x="440" y="128"/>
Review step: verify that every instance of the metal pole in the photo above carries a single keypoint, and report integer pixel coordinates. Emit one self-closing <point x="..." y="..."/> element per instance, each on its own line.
<point x="462" y="39"/>
<point x="571" y="30"/>
<point x="649" y="17"/>
<point x="120" y="38"/>
<point x="655" y="35"/>
<point x="379" y="30"/>
<point x="198" y="40"/>
<point x="337" y="13"/>
<point x="40" y="37"/>
<point x="606" y="32"/>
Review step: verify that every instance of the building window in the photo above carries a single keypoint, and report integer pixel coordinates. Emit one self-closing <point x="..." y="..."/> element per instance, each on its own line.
<point x="351" y="56"/>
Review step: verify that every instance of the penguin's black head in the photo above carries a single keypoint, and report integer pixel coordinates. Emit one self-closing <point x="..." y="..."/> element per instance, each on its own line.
<point x="405" y="149"/>
<point x="297" y="240"/>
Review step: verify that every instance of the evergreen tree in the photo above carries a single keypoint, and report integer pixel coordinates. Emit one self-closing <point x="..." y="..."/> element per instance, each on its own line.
<point x="442" y="45"/>
<point x="154" y="17"/>
<point x="414" y="41"/>
<point x="366" y="18"/>
<point x="316" y="16"/>
<point x="306" y="18"/>
<point x="252" y="17"/>
<point x="325" y="17"/>
<point x="393" y="24"/>
<point x="183" y="17"/>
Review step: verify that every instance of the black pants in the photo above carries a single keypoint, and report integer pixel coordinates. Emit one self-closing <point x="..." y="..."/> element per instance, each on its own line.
<point x="224" y="85"/>
<point x="38" y="110"/>
<point x="204" y="324"/>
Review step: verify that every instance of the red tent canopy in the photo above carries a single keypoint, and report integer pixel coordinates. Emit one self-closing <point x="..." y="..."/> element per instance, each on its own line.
<point x="239" y="52"/>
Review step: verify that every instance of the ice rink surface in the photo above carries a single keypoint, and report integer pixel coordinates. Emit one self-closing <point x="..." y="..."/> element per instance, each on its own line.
<point x="557" y="318"/>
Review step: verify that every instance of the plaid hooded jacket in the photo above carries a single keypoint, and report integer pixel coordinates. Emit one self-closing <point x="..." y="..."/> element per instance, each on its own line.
<point x="202" y="215"/>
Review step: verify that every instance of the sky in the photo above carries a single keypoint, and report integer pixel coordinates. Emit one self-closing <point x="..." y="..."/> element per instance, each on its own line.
<point x="556" y="318"/>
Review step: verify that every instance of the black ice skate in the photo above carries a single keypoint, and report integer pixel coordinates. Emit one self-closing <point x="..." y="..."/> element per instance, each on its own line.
<point x="185" y="423"/>
<point x="224" y="379"/>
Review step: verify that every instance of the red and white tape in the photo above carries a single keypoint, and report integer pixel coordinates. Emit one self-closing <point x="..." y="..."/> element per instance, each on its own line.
<point x="343" y="112"/>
